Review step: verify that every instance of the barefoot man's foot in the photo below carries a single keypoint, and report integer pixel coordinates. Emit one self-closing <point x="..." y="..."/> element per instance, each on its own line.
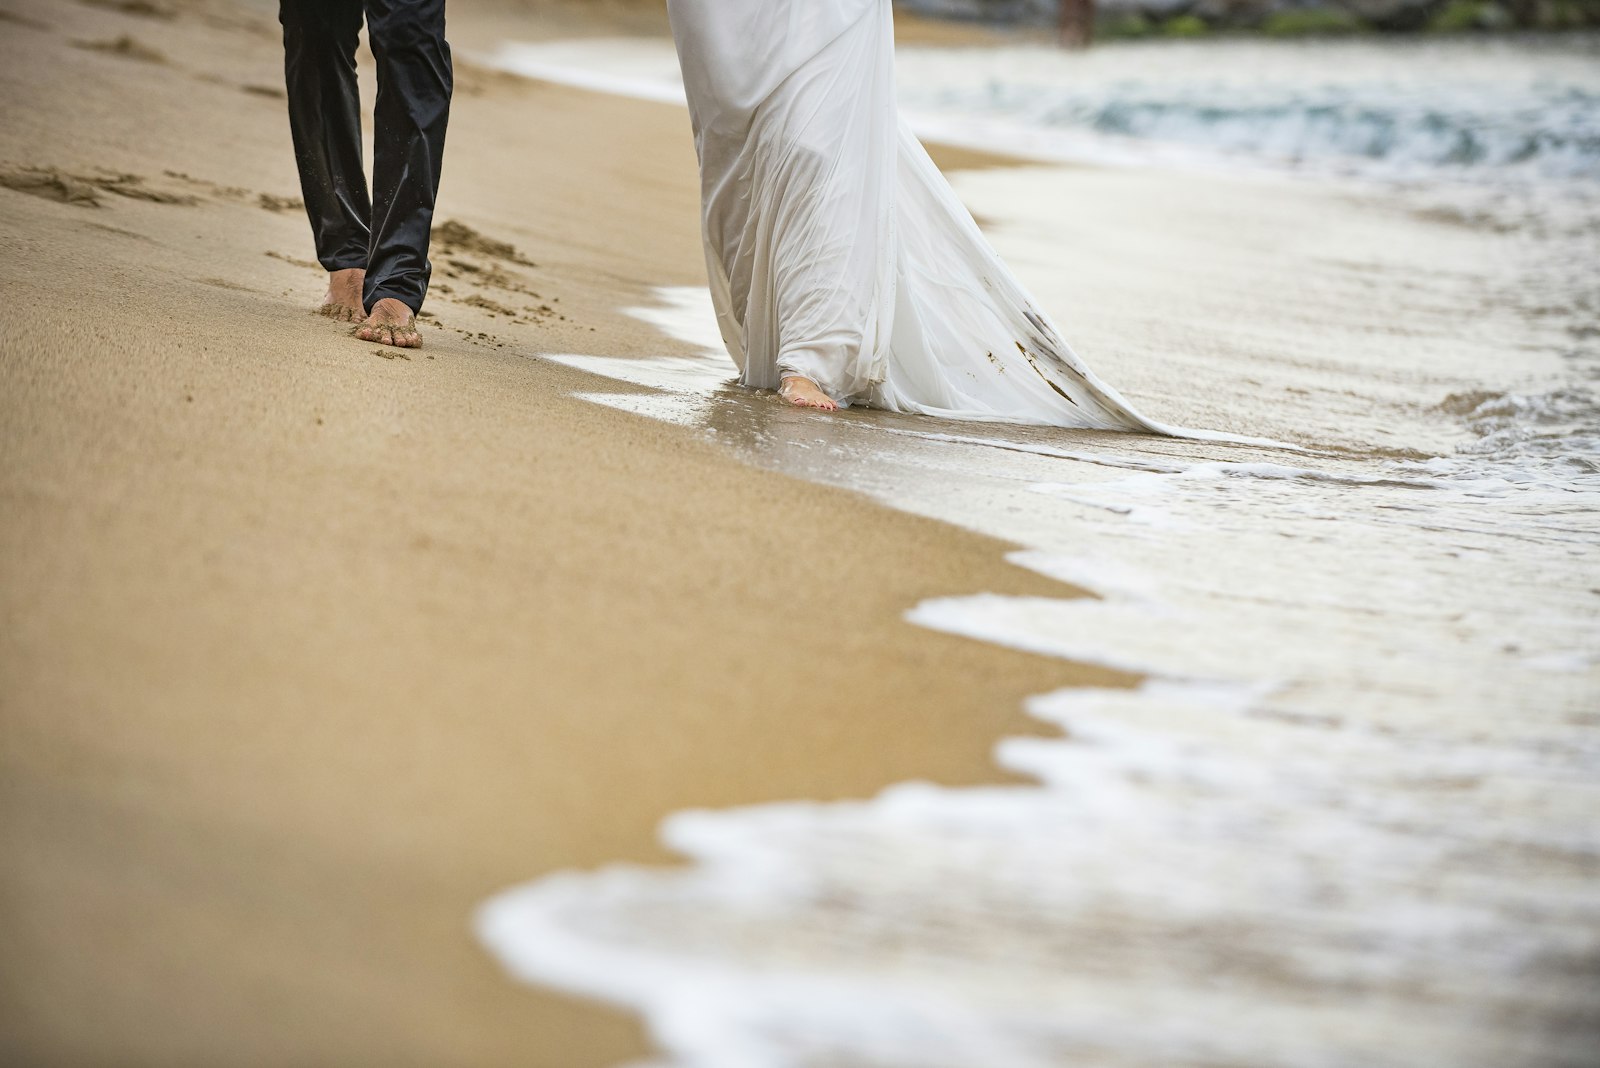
<point x="804" y="393"/>
<point x="390" y="323"/>
<point x="343" y="301"/>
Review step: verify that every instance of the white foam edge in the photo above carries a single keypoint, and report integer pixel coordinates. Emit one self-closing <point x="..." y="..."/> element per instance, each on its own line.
<point x="687" y="314"/>
<point x="1104" y="578"/>
<point x="1003" y="620"/>
<point x="525" y="59"/>
<point x="684" y="1000"/>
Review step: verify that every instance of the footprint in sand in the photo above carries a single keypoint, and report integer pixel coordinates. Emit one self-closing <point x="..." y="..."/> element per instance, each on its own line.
<point x="85" y="189"/>
<point x="126" y="47"/>
<point x="294" y="262"/>
<point x="278" y="204"/>
<point x="120" y="232"/>
<point x="223" y="283"/>
<point x="266" y="201"/>
<point x="142" y="8"/>
<point x="228" y="192"/>
<point x="452" y="236"/>
<point x="461" y="249"/>
<point x="22" y="20"/>
<point x="52" y="185"/>
<point x="133" y="187"/>
<point x="484" y="303"/>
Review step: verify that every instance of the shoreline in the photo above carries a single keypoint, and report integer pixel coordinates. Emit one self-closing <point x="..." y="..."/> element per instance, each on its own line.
<point x="1301" y="677"/>
<point x="308" y="651"/>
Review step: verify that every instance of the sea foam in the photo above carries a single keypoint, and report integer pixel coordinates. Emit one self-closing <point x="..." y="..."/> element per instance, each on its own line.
<point x="1340" y="812"/>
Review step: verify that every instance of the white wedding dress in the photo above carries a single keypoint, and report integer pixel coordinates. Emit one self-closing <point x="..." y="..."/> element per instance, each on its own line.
<point x="836" y="249"/>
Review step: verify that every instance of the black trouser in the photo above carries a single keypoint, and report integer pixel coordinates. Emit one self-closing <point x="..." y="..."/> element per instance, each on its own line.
<point x="388" y="234"/>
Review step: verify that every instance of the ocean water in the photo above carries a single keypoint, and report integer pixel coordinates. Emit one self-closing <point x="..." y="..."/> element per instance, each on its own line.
<point x="1348" y="815"/>
<point x="1476" y="108"/>
<point x="1490" y="108"/>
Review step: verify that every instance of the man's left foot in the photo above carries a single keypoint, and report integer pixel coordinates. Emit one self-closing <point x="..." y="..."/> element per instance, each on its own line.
<point x="390" y="323"/>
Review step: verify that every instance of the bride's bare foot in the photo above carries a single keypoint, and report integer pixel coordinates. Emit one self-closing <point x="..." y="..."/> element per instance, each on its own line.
<point x="343" y="301"/>
<point x="804" y="393"/>
<point x="390" y="323"/>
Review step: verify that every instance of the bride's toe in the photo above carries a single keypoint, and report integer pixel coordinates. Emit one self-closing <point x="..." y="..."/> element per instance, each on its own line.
<point x="804" y="393"/>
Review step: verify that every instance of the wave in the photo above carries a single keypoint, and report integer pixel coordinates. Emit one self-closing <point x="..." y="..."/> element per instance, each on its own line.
<point x="1529" y="111"/>
<point x="1361" y="758"/>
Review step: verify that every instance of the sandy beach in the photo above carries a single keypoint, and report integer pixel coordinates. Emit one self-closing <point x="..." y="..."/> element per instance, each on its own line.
<point x="308" y="647"/>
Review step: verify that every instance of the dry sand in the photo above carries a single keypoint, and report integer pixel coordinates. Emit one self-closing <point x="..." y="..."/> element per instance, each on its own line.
<point x="307" y="647"/>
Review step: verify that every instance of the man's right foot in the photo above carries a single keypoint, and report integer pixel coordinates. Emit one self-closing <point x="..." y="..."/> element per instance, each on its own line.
<point x="343" y="301"/>
<point x="390" y="323"/>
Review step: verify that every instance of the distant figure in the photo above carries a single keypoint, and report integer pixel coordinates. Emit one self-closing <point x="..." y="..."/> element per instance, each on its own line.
<point x="1077" y="23"/>
<point x="375" y="250"/>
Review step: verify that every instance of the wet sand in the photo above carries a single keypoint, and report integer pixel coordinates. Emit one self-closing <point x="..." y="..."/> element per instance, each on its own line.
<point x="307" y="647"/>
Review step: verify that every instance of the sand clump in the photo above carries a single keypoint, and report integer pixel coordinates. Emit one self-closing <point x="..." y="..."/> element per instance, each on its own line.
<point x="452" y="236"/>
